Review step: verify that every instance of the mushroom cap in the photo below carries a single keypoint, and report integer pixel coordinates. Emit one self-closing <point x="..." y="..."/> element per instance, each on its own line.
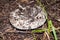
<point x="29" y="17"/>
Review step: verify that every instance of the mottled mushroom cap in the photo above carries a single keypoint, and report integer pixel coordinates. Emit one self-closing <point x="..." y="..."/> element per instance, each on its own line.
<point x="28" y="17"/>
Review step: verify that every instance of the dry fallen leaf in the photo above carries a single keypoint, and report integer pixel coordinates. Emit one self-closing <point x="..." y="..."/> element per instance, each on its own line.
<point x="23" y="1"/>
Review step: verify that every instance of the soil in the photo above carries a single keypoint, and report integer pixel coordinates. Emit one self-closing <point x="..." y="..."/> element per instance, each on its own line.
<point x="8" y="32"/>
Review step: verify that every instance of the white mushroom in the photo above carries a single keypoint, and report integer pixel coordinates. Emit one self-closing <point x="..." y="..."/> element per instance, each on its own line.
<point x="27" y="20"/>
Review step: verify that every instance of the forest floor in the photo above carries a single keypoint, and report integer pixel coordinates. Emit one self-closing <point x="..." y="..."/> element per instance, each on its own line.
<point x="8" y="32"/>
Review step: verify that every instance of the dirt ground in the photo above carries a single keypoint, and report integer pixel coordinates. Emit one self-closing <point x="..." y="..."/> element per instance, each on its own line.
<point x="8" y="32"/>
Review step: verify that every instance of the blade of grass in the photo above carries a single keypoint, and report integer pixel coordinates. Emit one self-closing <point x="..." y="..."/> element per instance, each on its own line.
<point x="49" y="26"/>
<point x="53" y="29"/>
<point x="39" y="30"/>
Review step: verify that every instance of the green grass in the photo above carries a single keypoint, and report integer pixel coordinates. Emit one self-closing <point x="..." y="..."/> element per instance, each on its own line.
<point x="53" y="29"/>
<point x="49" y="23"/>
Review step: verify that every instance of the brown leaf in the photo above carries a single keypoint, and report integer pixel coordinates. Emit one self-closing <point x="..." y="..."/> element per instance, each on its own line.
<point x="23" y="1"/>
